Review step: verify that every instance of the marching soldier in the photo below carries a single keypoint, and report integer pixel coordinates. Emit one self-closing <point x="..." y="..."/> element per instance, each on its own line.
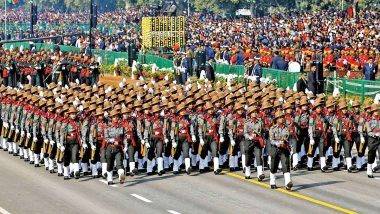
<point x="208" y="136"/>
<point x="373" y="131"/>
<point x="279" y="150"/>
<point x="70" y="143"/>
<point x="317" y="135"/>
<point x="358" y="134"/>
<point x="301" y="121"/>
<point x="95" y="140"/>
<point x="115" y="142"/>
<point x="180" y="137"/>
<point x="344" y="128"/>
<point x="130" y="136"/>
<point x="254" y="142"/>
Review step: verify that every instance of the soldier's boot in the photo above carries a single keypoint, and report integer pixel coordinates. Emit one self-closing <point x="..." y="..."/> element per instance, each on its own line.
<point x="31" y="157"/>
<point x="187" y="166"/>
<point x="310" y="161"/>
<point x="140" y="164"/>
<point x="359" y="163"/>
<point x="94" y="170"/>
<point x="350" y="168"/>
<point x="51" y="166"/>
<point x="175" y="167"/>
<point x="322" y="161"/>
<point x="160" y="166"/>
<point x="335" y="163"/>
<point x="217" y="170"/>
<point x="10" y="147"/>
<point x="231" y="163"/>
<point x="109" y="178"/>
<point x="15" y="149"/>
<point x="66" y="173"/>
<point x="260" y="173"/>
<point x="46" y="163"/>
<point x="104" y="170"/>
<point x="247" y="173"/>
<point x="36" y="160"/>
<point x="60" y="169"/>
<point x="194" y="161"/>
<point x="149" y="167"/>
<point x="26" y="157"/>
<point x="21" y="153"/>
<point x="166" y="163"/>
<point x="121" y="174"/>
<point x="272" y="181"/>
<point x="85" y="169"/>
<point x="288" y="181"/>
<point x="5" y="145"/>
<point x="369" y="171"/>
<point x="76" y="170"/>
<point x="243" y="161"/>
<point x="132" y="169"/>
<point x="201" y="165"/>
<point x="295" y="161"/>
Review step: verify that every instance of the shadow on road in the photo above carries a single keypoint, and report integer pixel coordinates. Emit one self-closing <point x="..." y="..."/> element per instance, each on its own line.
<point x="308" y="186"/>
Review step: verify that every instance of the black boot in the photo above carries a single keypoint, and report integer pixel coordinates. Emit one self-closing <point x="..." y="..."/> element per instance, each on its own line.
<point x="289" y="186"/>
<point x="218" y="171"/>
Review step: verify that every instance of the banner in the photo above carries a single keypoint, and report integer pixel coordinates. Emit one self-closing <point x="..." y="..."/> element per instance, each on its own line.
<point x="163" y="31"/>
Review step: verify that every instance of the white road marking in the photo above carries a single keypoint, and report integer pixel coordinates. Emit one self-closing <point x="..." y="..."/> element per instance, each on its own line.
<point x="377" y="178"/>
<point x="173" y="212"/>
<point x="141" y="198"/>
<point x="105" y="182"/>
<point x="3" y="211"/>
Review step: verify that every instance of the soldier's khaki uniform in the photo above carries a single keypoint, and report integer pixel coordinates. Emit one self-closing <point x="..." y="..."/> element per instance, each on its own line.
<point x="373" y="131"/>
<point x="254" y="144"/>
<point x="70" y="144"/>
<point x="180" y="137"/>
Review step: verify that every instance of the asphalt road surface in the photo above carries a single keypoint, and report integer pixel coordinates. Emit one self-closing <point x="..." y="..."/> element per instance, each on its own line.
<point x="25" y="189"/>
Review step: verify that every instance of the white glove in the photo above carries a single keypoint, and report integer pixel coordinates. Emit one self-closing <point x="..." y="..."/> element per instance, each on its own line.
<point x="233" y="143"/>
<point x="362" y="140"/>
<point x="312" y="142"/>
<point x="193" y="138"/>
<point x="62" y="148"/>
<point x="202" y="142"/>
<point x="174" y="144"/>
<point x="46" y="141"/>
<point x="166" y="141"/>
<point x="22" y="133"/>
<point x="125" y="149"/>
<point x="12" y="127"/>
<point x="28" y="135"/>
<point x="17" y="131"/>
<point x="221" y="139"/>
<point x="147" y="145"/>
<point x="52" y="142"/>
<point x="112" y="140"/>
<point x="142" y="142"/>
<point x="34" y="139"/>
<point x="5" y="125"/>
<point x="93" y="147"/>
<point x="84" y="146"/>
<point x="336" y="140"/>
<point x="59" y="145"/>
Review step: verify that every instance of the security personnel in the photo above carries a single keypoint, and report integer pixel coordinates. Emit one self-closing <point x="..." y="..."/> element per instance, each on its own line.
<point x="373" y="131"/>
<point x="279" y="138"/>
<point x="96" y="138"/>
<point x="236" y="135"/>
<point x="114" y="140"/>
<point x="254" y="142"/>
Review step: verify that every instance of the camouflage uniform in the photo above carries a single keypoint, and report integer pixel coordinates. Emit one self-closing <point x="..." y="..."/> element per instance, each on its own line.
<point x="114" y="137"/>
<point x="372" y="126"/>
<point x="254" y="144"/>
<point x="279" y="139"/>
